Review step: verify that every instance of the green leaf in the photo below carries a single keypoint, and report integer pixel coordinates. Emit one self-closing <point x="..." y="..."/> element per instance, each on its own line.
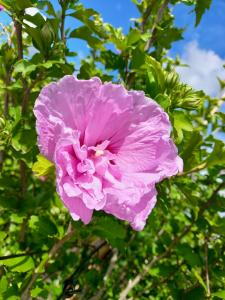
<point x="220" y="294"/>
<point x="3" y="284"/>
<point x="85" y="33"/>
<point x="217" y="157"/>
<point x="189" y="255"/>
<point x="19" y="264"/>
<point x="24" y="67"/>
<point x="199" y="278"/>
<point x="181" y="122"/>
<point x="133" y="37"/>
<point x="43" y="225"/>
<point x="110" y="229"/>
<point x="23" y="139"/>
<point x="163" y="100"/>
<point x="42" y="167"/>
<point x="200" y="8"/>
<point x="157" y="71"/>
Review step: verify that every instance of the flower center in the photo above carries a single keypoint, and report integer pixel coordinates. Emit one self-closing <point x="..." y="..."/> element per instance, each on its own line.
<point x="99" y="152"/>
<point x="86" y="166"/>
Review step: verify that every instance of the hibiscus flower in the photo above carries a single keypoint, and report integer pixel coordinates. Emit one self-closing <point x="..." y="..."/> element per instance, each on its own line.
<point x="110" y="147"/>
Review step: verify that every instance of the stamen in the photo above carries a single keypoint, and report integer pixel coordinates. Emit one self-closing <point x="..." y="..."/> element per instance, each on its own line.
<point x="99" y="153"/>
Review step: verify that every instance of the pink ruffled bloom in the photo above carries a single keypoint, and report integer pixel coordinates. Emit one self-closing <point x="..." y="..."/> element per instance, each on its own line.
<point x="110" y="147"/>
<point x="1" y="8"/>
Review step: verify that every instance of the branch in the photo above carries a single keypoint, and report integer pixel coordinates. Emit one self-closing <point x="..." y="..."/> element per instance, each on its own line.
<point x="132" y="283"/>
<point x="110" y="268"/>
<point x="147" y="14"/>
<point x="44" y="263"/>
<point x="18" y="28"/>
<point x="195" y="169"/>
<point x="20" y="255"/>
<point x="207" y="269"/>
<point x="69" y="284"/>
<point x="156" y="23"/>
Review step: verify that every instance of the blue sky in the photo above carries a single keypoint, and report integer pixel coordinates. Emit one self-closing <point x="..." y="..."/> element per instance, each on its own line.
<point x="203" y="48"/>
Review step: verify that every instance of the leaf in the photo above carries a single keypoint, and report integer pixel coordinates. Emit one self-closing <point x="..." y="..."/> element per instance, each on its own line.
<point x="157" y="71"/>
<point x="43" y="225"/>
<point x="191" y="150"/>
<point x="220" y="294"/>
<point x="23" y="139"/>
<point x="199" y="278"/>
<point x="110" y="229"/>
<point x="22" y="4"/>
<point x="42" y="167"/>
<point x="133" y="36"/>
<point x="85" y="33"/>
<point x="189" y="255"/>
<point x="217" y="157"/>
<point x="163" y="100"/>
<point x="19" y="264"/>
<point x="200" y="8"/>
<point x="3" y="284"/>
<point x="181" y="122"/>
<point x="24" y="67"/>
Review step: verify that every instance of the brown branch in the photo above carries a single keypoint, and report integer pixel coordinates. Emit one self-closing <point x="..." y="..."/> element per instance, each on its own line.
<point x="110" y="268"/>
<point x="132" y="283"/>
<point x="18" y="29"/>
<point x="147" y="14"/>
<point x="44" y="263"/>
<point x="156" y="23"/>
<point x="20" y="255"/>
<point x="207" y="269"/>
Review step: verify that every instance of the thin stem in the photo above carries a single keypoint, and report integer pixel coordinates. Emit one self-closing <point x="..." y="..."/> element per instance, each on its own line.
<point x="195" y="169"/>
<point x="18" y="28"/>
<point x="207" y="269"/>
<point x="19" y="255"/>
<point x="147" y="14"/>
<point x="132" y="283"/>
<point x="68" y="289"/>
<point x="63" y="4"/>
<point x="44" y="263"/>
<point x="156" y="23"/>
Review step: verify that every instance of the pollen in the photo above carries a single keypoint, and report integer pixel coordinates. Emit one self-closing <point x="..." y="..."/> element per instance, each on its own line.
<point x="99" y="153"/>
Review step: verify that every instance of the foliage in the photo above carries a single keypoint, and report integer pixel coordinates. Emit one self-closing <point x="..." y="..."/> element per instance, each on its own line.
<point x="180" y="254"/>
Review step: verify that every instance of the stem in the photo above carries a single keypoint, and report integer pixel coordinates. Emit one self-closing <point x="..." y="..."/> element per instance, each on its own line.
<point x="18" y="28"/>
<point x="156" y="23"/>
<point x="195" y="169"/>
<point x="44" y="263"/>
<point x="20" y="255"/>
<point x="132" y="283"/>
<point x="147" y="14"/>
<point x="68" y="289"/>
<point x="62" y="28"/>
<point x="207" y="269"/>
<point x="63" y="4"/>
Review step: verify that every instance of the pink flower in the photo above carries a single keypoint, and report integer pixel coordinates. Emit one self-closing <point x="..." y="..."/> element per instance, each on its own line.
<point x="110" y="147"/>
<point x="1" y="8"/>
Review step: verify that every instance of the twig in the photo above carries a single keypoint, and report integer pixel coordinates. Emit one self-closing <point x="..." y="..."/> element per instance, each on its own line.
<point x="195" y="169"/>
<point x="156" y="23"/>
<point x="20" y="255"/>
<point x="44" y="263"/>
<point x="132" y="283"/>
<point x="69" y="284"/>
<point x="207" y="269"/>
<point x="147" y="14"/>
<point x="18" y="29"/>
<point x="111" y="266"/>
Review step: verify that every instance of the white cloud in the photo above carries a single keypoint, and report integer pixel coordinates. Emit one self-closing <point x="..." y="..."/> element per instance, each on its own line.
<point x="205" y="66"/>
